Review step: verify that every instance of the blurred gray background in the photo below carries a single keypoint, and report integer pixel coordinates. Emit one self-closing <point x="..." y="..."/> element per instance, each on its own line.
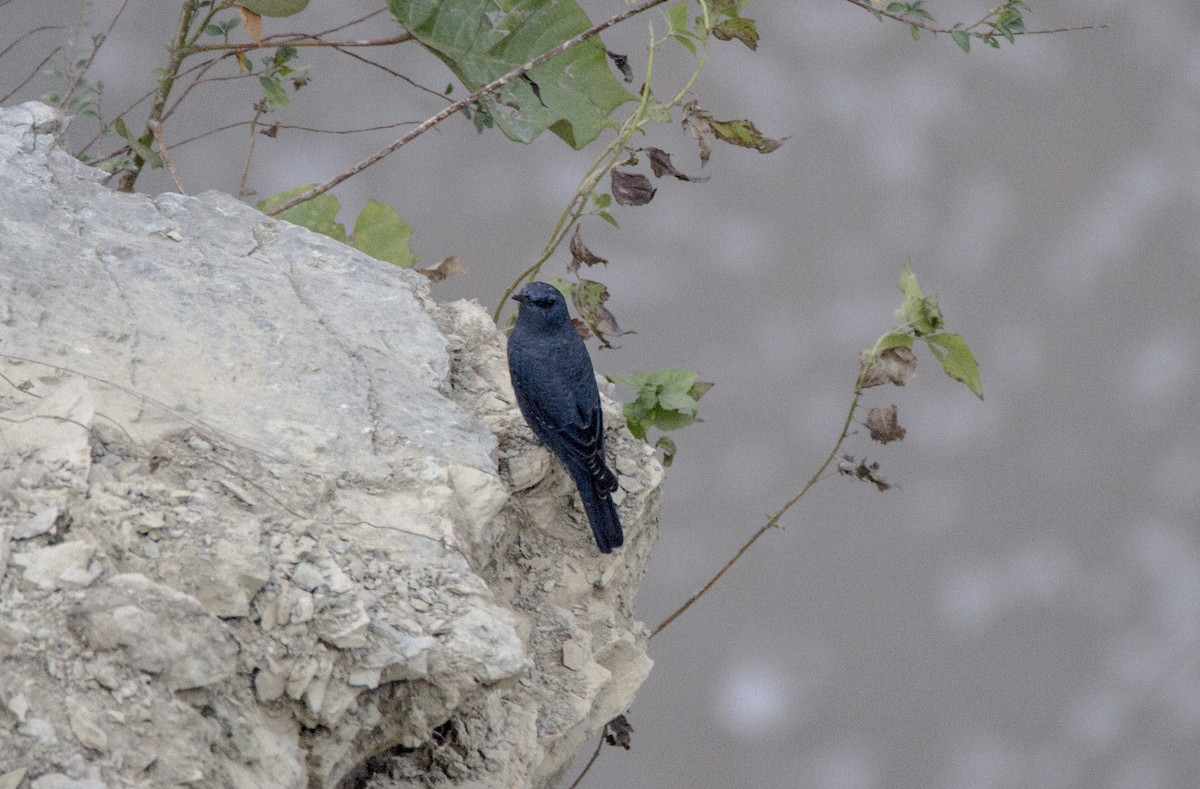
<point x="1023" y="610"/>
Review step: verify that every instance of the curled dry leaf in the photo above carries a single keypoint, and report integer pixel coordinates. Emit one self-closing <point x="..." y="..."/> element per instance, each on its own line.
<point x="622" y="64"/>
<point x="894" y="365"/>
<point x="848" y="467"/>
<point x="581" y="254"/>
<point x="660" y="165"/>
<point x="446" y="267"/>
<point x="883" y="425"/>
<point x="631" y="188"/>
<point x="253" y="24"/>
<point x="589" y="297"/>
<point x="619" y="732"/>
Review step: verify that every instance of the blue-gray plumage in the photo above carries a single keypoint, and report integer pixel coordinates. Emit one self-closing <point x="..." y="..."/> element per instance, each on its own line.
<point x="556" y="390"/>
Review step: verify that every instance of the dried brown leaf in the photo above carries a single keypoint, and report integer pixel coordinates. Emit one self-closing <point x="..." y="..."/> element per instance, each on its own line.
<point x="619" y="732"/>
<point x="883" y="425"/>
<point x="446" y="267"/>
<point x="253" y="25"/>
<point x="894" y="365"/>
<point x="581" y="254"/>
<point x="631" y="188"/>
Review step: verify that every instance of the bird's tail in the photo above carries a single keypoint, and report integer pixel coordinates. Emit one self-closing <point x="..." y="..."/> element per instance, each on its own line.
<point x="601" y="513"/>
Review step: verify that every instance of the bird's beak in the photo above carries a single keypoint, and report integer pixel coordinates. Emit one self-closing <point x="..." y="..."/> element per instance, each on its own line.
<point x="521" y="297"/>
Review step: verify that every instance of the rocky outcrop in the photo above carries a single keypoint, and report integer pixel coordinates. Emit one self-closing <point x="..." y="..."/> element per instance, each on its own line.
<point x="269" y="516"/>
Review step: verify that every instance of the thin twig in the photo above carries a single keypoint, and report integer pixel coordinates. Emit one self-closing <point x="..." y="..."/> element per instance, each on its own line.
<point x="300" y="40"/>
<point x="933" y="28"/>
<point x="292" y="127"/>
<point x="36" y="70"/>
<point x="773" y="521"/>
<point x="24" y="36"/>
<point x="491" y="87"/>
<point x="156" y="128"/>
<point x="91" y="58"/>
<point x="259" y="109"/>
<point x="392" y="72"/>
<point x="591" y="761"/>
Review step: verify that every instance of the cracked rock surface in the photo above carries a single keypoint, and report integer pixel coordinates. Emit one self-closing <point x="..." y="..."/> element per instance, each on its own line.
<point x="269" y="516"/>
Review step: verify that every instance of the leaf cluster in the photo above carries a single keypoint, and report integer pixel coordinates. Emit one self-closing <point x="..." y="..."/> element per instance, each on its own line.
<point x="378" y="231"/>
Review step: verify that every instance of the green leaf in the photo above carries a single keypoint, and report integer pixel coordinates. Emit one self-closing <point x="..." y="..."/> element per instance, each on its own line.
<point x="273" y="7"/>
<point x="120" y="128"/>
<point x="916" y="32"/>
<point x="481" y="40"/>
<point x="918" y="311"/>
<point x="664" y="399"/>
<point x="381" y="233"/>
<point x="957" y="360"/>
<point x="896" y="339"/>
<point x="214" y="30"/>
<point x="962" y="39"/>
<point x="607" y="217"/>
<point x="318" y="214"/>
<point x="677" y="18"/>
<point x="274" y="92"/>
<point x="742" y="29"/>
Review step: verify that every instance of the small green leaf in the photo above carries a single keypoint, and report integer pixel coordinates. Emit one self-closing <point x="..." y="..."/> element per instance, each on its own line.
<point x="120" y="128"/>
<point x="318" y="214"/>
<point x="677" y="18"/>
<point x="742" y="29"/>
<point x="663" y="399"/>
<point x="918" y="311"/>
<point x="669" y="449"/>
<point x="274" y="92"/>
<point x="962" y="39"/>
<point x="916" y="32"/>
<point x="607" y="217"/>
<point x="214" y="30"/>
<point x="381" y="233"/>
<point x="957" y="360"/>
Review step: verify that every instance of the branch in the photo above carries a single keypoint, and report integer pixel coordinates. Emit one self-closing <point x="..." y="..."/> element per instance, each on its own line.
<point x="491" y="87"/>
<point x="300" y="40"/>
<point x="930" y="27"/>
<point x="773" y="521"/>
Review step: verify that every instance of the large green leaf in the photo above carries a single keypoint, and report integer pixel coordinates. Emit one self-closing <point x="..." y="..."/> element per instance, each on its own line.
<point x="482" y="40"/>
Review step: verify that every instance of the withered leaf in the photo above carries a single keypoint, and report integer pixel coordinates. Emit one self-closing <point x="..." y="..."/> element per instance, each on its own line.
<point x="581" y="328"/>
<point x="588" y="297"/>
<point x="744" y="30"/>
<point x="622" y="64"/>
<point x="847" y="467"/>
<point x="893" y="365"/>
<point x="744" y="134"/>
<point x="660" y="165"/>
<point x="631" y="188"/>
<point x="253" y="24"/>
<point x="619" y="732"/>
<point x="271" y="131"/>
<point x="696" y="123"/>
<point x="700" y="123"/>
<point x="446" y="267"/>
<point x="581" y="254"/>
<point x="699" y="389"/>
<point x="883" y="425"/>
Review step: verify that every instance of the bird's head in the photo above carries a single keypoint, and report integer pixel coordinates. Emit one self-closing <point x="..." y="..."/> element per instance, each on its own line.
<point x="541" y="302"/>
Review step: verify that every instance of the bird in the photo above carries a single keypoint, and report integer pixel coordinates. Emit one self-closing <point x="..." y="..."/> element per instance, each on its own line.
<point x="555" y="385"/>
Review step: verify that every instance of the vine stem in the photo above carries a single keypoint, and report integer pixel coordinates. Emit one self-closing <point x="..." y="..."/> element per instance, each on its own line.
<point x="605" y="162"/>
<point x="457" y="106"/>
<point x="773" y="520"/>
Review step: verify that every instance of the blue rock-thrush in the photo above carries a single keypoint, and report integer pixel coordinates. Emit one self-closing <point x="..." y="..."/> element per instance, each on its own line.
<point x="556" y="390"/>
